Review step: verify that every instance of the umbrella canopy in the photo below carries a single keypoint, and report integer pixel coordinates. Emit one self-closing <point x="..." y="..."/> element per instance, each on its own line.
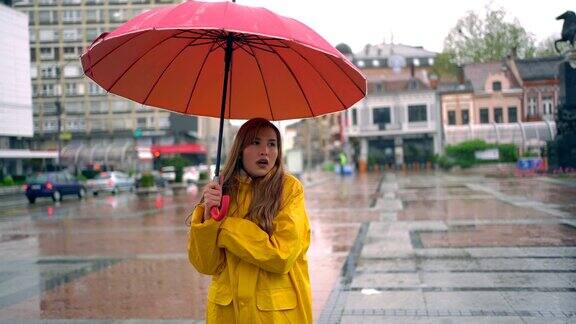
<point x="174" y="58"/>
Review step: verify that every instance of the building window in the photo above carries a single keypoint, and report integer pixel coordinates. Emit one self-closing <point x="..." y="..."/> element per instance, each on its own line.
<point x="47" y="35"/>
<point x="70" y="52"/>
<point x="452" y="117"/>
<point x="46" y="53"/>
<point x="48" y="90"/>
<point x="71" y="34"/>
<point x="71" y="16"/>
<point x="498" y="115"/>
<point x="47" y="17"/>
<point x="95" y="89"/>
<point x="141" y="122"/>
<point x="465" y="117"/>
<point x="379" y="88"/>
<point x="98" y="107"/>
<point x="163" y="122"/>
<point x="120" y="106"/>
<point x="49" y="108"/>
<point x="531" y="106"/>
<point x="74" y="107"/>
<point x="381" y="116"/>
<point x="496" y="86"/>
<point x="417" y="113"/>
<point x="354" y="116"/>
<point x="72" y="71"/>
<point x="117" y="15"/>
<point x="33" y="72"/>
<point x="547" y="104"/>
<point x="512" y="114"/>
<point x="94" y="16"/>
<point x="484" y="117"/>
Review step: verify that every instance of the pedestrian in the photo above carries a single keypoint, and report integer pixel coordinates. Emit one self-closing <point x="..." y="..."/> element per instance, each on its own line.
<point x="257" y="253"/>
<point x="343" y="160"/>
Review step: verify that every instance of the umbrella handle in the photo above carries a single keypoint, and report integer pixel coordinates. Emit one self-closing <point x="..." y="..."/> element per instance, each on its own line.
<point x="219" y="215"/>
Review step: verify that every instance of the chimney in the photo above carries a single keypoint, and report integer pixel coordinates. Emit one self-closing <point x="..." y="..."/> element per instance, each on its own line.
<point x="460" y="74"/>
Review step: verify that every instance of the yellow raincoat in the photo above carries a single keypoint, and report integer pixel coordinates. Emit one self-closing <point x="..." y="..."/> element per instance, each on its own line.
<point x="256" y="278"/>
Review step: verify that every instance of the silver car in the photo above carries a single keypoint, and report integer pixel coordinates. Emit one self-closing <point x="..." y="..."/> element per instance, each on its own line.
<point x="112" y="182"/>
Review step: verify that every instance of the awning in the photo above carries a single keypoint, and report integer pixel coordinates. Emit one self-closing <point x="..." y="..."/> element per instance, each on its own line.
<point x="178" y="149"/>
<point x="28" y="154"/>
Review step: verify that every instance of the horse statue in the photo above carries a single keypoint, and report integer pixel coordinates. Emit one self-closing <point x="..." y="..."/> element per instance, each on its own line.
<point x="568" y="29"/>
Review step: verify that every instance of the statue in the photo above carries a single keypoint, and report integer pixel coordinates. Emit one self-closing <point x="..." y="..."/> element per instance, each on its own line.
<point x="562" y="150"/>
<point x="568" y="29"/>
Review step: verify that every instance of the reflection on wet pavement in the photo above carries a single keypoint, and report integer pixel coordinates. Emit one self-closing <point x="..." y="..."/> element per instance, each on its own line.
<point x="124" y="257"/>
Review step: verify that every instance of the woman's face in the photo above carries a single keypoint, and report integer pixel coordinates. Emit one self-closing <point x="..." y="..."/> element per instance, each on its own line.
<point x="259" y="157"/>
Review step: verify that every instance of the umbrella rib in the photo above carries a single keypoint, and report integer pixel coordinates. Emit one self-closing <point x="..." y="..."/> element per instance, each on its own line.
<point x="242" y="46"/>
<point x="295" y="79"/>
<point x="320" y="75"/>
<point x="332" y="60"/>
<point x="136" y="61"/>
<point x="263" y="82"/>
<point x="166" y="69"/>
<point x="113" y="50"/>
<point x="198" y="77"/>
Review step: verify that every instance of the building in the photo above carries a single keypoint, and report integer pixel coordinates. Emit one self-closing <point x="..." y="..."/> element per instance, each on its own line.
<point x="398" y="121"/>
<point x="497" y="94"/>
<point x="16" y="98"/>
<point x="91" y="120"/>
<point x="539" y="79"/>
<point x="508" y="101"/>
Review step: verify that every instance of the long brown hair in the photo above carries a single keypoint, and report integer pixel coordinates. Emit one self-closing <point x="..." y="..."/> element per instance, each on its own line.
<point x="266" y="190"/>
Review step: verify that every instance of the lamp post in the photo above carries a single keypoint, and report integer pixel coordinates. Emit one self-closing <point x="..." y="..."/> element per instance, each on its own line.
<point x="58" y="104"/>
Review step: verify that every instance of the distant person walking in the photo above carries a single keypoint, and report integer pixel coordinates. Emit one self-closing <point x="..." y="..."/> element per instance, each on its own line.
<point x="257" y="253"/>
<point x="343" y="161"/>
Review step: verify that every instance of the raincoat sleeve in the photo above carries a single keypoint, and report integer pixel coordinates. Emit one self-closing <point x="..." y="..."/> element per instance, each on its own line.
<point x="203" y="252"/>
<point x="277" y="252"/>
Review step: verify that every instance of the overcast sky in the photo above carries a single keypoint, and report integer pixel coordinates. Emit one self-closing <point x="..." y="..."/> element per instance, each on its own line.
<point x="412" y="22"/>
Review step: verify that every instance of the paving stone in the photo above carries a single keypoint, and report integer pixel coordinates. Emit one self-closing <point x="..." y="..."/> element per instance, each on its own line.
<point x="542" y="301"/>
<point x="467" y="300"/>
<point x="385" y="299"/>
<point x="376" y="280"/>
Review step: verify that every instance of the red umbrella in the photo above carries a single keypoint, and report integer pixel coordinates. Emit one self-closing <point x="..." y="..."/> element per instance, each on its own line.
<point x="221" y="59"/>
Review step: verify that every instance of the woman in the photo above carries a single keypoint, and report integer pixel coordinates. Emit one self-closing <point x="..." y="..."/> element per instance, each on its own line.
<point x="257" y="254"/>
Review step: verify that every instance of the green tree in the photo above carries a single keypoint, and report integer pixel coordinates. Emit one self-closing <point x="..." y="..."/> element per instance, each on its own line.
<point x="546" y="47"/>
<point x="477" y="39"/>
<point x="444" y="65"/>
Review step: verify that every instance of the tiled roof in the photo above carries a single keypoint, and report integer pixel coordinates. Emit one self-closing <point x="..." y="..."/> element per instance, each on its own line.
<point x="542" y="68"/>
<point x="477" y="73"/>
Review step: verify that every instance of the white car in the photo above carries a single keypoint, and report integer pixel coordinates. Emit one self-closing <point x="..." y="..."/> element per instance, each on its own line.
<point x="168" y="173"/>
<point x="192" y="173"/>
<point x="112" y="182"/>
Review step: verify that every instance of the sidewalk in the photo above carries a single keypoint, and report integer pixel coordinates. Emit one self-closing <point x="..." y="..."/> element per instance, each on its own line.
<point x="426" y="266"/>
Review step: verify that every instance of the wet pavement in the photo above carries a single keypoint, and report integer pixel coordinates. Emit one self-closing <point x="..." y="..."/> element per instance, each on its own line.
<point x="424" y="248"/>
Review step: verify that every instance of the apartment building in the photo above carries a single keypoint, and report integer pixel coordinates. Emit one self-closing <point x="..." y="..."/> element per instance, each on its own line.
<point x="91" y="119"/>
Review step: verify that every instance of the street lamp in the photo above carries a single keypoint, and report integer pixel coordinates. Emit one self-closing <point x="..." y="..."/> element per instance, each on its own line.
<point x="58" y="104"/>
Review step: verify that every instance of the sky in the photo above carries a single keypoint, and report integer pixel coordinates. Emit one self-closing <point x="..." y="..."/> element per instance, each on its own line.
<point x="411" y="22"/>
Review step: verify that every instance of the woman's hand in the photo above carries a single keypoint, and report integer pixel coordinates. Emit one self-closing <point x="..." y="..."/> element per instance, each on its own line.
<point x="212" y="197"/>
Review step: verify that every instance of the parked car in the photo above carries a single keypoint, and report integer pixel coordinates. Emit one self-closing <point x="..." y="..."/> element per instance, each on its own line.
<point x="192" y="173"/>
<point x="112" y="182"/>
<point x="168" y="173"/>
<point x="54" y="185"/>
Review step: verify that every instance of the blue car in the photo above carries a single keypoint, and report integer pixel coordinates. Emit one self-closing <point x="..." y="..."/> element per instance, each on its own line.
<point x="54" y="185"/>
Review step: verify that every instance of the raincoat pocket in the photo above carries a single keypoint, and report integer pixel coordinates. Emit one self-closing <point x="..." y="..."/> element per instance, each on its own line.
<point x="276" y="299"/>
<point x="219" y="294"/>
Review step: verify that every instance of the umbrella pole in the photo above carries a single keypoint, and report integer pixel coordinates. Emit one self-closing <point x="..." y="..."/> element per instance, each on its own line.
<point x="227" y="61"/>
